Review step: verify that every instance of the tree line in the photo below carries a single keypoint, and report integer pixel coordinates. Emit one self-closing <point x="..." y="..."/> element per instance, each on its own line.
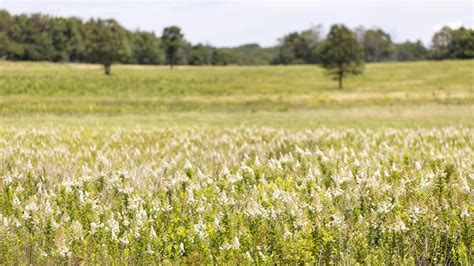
<point x="40" y="37"/>
<point x="378" y="46"/>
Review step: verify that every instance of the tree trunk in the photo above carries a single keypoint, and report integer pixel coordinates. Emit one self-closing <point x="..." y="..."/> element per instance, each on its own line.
<point x="340" y="81"/>
<point x="108" y="69"/>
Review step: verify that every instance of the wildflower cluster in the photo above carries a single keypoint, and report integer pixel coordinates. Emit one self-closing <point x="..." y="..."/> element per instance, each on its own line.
<point x="240" y="195"/>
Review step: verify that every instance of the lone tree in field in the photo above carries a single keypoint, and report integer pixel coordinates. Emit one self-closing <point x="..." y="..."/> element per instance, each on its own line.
<point x="106" y="43"/>
<point x="341" y="54"/>
<point x="171" y="40"/>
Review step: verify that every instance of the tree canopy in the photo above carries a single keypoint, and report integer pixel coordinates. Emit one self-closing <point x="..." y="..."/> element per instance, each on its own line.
<point x="172" y="41"/>
<point x="106" y="43"/>
<point x="378" y="46"/>
<point x="146" y="48"/>
<point x="341" y="53"/>
<point x="299" y="47"/>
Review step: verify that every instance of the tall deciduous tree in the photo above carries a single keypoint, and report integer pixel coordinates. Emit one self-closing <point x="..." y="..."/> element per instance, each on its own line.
<point x="171" y="41"/>
<point x="201" y="54"/>
<point x="299" y="48"/>
<point x="106" y="43"/>
<point x="440" y="43"/>
<point x="462" y="44"/>
<point x="341" y="54"/>
<point x="4" y="26"/>
<point x="378" y="46"/>
<point x="453" y="43"/>
<point x="146" y="48"/>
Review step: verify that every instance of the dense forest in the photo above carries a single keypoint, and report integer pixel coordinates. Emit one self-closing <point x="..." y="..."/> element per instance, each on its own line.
<point x="40" y="37"/>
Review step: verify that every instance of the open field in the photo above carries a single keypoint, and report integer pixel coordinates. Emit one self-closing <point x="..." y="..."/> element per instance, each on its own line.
<point x="63" y="80"/>
<point x="392" y="94"/>
<point x="236" y="165"/>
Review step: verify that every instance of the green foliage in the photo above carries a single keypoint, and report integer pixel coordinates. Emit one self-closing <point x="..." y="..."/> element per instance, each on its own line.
<point x="251" y="54"/>
<point x="410" y="51"/>
<point x="106" y="43"/>
<point x="341" y="53"/>
<point x="4" y="26"/>
<point x="462" y="44"/>
<point x="201" y="55"/>
<point x="172" y="41"/>
<point x="208" y="55"/>
<point x="299" y="48"/>
<point x="30" y="38"/>
<point x="453" y="44"/>
<point x="68" y="40"/>
<point x="377" y="45"/>
<point x="146" y="48"/>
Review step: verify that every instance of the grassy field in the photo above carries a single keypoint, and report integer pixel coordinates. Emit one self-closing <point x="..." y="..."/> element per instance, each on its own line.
<point x="63" y="80"/>
<point x="233" y="95"/>
<point x="236" y="165"/>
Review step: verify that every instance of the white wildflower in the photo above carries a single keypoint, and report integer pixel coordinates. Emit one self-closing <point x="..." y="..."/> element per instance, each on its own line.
<point x="236" y="243"/>
<point x="152" y="233"/>
<point x="399" y="226"/>
<point x="465" y="212"/>
<point x="181" y="248"/>
<point x="26" y="216"/>
<point x="124" y="240"/>
<point x="149" y="251"/>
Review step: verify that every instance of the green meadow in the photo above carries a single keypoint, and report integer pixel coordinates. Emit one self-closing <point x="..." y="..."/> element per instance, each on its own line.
<point x="391" y="94"/>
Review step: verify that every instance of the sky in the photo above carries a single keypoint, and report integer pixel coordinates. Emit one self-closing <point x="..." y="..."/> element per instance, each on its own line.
<point x="236" y="22"/>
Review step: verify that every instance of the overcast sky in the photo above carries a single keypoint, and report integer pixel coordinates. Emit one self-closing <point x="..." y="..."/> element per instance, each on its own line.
<point x="236" y="22"/>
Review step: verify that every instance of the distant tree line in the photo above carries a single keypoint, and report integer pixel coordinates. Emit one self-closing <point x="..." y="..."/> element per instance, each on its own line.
<point x="39" y="37"/>
<point x="304" y="47"/>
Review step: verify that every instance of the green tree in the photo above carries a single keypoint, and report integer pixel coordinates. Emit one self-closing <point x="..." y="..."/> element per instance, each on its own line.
<point x="251" y="54"/>
<point x="146" y="48"/>
<point x="341" y="54"/>
<point x="221" y="57"/>
<point x="453" y="43"/>
<point x="299" y="48"/>
<point x="440" y="43"/>
<point x="410" y="51"/>
<point x="172" y="40"/>
<point x="58" y="34"/>
<point x="462" y="44"/>
<point x="28" y="38"/>
<point x="184" y="53"/>
<point x="312" y="39"/>
<point x="75" y="45"/>
<point x="4" y="26"/>
<point x="201" y="54"/>
<point x="106" y="43"/>
<point x="378" y="46"/>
